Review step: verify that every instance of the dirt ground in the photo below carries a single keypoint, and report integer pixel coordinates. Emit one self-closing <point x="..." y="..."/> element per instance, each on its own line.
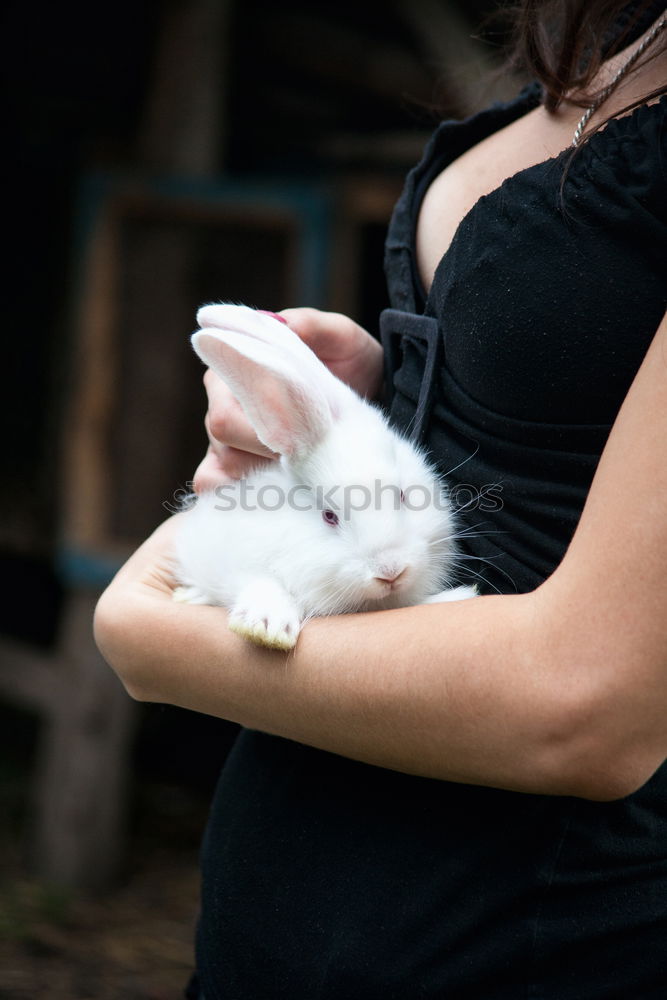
<point x="132" y="942"/>
<point x="135" y="941"/>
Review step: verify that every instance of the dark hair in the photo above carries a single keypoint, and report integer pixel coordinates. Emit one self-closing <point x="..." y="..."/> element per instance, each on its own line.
<point x="562" y="43"/>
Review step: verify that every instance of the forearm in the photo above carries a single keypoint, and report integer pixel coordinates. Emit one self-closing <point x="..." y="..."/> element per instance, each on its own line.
<point x="561" y="691"/>
<point x="462" y="691"/>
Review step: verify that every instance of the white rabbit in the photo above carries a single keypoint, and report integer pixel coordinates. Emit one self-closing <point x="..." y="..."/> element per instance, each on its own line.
<point x="349" y="517"/>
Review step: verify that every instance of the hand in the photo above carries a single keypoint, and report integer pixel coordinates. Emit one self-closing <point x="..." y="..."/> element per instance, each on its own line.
<point x="142" y="586"/>
<point x="149" y="570"/>
<point x="350" y="353"/>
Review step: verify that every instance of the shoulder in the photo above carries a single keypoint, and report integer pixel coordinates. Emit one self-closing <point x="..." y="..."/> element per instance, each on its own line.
<point x="618" y="180"/>
<point x="630" y="151"/>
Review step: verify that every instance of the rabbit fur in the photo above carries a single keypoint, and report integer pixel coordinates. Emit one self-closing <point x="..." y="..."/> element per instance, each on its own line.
<point x="349" y="517"/>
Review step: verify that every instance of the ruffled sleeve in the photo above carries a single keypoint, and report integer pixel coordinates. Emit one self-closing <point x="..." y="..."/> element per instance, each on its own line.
<point x="624" y="165"/>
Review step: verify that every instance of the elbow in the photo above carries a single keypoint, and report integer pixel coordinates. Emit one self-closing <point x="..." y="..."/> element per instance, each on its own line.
<point x="113" y="634"/>
<point x="606" y="778"/>
<point x="602" y="751"/>
<point x="599" y="709"/>
<point x="601" y="696"/>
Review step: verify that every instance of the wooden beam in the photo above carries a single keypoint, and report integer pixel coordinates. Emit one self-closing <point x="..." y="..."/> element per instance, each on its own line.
<point x="184" y="124"/>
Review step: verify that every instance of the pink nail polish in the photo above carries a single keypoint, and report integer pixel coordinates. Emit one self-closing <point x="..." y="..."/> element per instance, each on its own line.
<point x="265" y="312"/>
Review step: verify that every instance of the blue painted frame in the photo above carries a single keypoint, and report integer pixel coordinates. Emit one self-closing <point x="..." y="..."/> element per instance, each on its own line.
<point x="309" y="204"/>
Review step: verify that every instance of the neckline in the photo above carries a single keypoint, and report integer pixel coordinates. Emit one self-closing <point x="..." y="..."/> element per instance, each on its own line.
<point x="430" y="175"/>
<point x="529" y="96"/>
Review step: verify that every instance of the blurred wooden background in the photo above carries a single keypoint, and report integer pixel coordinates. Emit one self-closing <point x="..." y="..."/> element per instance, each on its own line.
<point x="161" y="154"/>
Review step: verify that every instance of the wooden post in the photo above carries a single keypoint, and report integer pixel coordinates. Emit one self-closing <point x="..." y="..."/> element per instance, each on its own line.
<point x="183" y="128"/>
<point x="81" y="783"/>
<point x="80" y="788"/>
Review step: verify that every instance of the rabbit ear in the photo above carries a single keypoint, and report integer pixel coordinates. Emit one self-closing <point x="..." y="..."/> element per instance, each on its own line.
<point x="287" y="410"/>
<point x="260" y="325"/>
<point x="277" y="335"/>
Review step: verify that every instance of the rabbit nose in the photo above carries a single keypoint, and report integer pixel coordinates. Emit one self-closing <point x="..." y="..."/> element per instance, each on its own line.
<point x="389" y="574"/>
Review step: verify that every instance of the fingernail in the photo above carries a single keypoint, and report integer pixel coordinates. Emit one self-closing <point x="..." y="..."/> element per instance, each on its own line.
<point x="265" y="312"/>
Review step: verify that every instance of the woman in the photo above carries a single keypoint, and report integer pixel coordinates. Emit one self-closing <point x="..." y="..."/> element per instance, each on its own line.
<point x="469" y="800"/>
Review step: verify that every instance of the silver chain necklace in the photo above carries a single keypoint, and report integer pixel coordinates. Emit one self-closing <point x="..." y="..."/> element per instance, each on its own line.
<point x="618" y="76"/>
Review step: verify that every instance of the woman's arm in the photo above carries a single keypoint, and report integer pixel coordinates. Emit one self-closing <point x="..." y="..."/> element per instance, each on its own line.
<point x="562" y="691"/>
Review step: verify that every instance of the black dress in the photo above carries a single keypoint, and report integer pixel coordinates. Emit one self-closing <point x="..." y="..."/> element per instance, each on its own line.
<point x="328" y="879"/>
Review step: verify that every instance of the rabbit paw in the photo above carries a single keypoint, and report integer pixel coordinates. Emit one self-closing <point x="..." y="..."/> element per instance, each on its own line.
<point x="453" y="594"/>
<point x="266" y="615"/>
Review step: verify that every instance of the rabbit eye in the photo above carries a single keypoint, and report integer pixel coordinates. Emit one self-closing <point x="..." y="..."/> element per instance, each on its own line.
<point x="330" y="517"/>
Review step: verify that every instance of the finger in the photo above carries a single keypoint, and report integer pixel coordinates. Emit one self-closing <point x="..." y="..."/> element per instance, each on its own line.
<point x="216" y="470"/>
<point x="226" y="424"/>
<point x="209" y="473"/>
<point x="232" y="461"/>
<point x="345" y="347"/>
<point x="329" y="334"/>
<point x="310" y="324"/>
